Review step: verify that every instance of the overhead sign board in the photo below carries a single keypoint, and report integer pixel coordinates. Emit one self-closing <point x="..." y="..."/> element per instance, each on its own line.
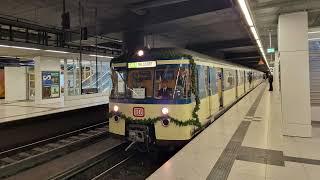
<point x="270" y="50"/>
<point x="144" y="64"/>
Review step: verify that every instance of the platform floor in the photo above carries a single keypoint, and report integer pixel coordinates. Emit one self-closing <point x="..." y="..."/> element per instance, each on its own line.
<point x="246" y="144"/>
<point x="18" y="110"/>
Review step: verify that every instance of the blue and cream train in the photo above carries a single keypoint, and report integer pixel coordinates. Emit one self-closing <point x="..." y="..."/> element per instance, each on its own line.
<point x="169" y="94"/>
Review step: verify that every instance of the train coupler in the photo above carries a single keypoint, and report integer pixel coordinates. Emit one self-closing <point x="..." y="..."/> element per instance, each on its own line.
<point x="139" y="134"/>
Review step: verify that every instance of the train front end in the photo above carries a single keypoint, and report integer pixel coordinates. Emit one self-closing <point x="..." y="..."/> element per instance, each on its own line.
<point x="151" y="101"/>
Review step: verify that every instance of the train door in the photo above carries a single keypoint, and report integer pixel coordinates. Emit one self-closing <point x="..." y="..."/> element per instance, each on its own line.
<point x="209" y="79"/>
<point x="244" y="81"/>
<point x="237" y="82"/>
<point x="212" y="89"/>
<point x="2" y="84"/>
<point x="220" y="85"/>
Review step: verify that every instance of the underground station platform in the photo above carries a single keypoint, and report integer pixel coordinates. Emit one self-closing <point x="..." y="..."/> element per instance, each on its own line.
<point x="161" y="89"/>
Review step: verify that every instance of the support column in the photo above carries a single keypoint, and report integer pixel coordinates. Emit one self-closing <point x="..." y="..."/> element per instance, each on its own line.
<point x="276" y="75"/>
<point x="294" y="65"/>
<point x="46" y="64"/>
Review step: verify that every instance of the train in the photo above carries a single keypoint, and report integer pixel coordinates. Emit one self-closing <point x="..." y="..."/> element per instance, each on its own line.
<point x="167" y="95"/>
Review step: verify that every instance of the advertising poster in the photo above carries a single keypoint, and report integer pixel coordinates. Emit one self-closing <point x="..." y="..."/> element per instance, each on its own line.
<point x="50" y="84"/>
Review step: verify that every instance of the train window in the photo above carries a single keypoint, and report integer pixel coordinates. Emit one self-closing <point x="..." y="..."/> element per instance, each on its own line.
<point x="119" y="84"/>
<point x="202" y="81"/>
<point x="240" y="77"/>
<point x="229" y="78"/>
<point x="140" y="83"/>
<point x="172" y="82"/>
<point x="250" y="78"/>
<point x="213" y="81"/>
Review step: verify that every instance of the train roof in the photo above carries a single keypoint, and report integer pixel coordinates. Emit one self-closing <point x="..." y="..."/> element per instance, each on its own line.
<point x="174" y="53"/>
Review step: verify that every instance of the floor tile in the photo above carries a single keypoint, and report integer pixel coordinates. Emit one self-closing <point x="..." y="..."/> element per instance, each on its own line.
<point x="292" y="171"/>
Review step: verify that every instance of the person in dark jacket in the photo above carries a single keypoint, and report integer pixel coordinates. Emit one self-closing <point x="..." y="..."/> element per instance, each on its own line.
<point x="165" y="92"/>
<point x="270" y="78"/>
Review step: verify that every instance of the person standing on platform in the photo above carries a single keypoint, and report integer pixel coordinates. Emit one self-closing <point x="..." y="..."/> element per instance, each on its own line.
<point x="270" y="78"/>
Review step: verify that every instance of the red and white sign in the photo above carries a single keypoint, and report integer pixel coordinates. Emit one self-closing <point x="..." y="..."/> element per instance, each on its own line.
<point x="138" y="112"/>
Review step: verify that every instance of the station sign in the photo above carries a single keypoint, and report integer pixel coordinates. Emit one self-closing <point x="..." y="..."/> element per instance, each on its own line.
<point x="270" y="50"/>
<point x="144" y="64"/>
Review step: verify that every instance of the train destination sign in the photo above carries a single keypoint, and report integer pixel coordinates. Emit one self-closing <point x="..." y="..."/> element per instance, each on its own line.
<point x="144" y="64"/>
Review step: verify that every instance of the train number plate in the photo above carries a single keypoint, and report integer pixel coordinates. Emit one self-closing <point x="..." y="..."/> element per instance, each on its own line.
<point x="138" y="112"/>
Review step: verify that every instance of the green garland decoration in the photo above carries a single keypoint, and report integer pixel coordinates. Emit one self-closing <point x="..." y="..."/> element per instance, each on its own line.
<point x="147" y="121"/>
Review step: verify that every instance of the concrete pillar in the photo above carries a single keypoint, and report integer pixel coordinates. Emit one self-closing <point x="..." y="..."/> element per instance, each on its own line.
<point x="45" y="64"/>
<point x="276" y="75"/>
<point x="294" y="65"/>
<point x="15" y="84"/>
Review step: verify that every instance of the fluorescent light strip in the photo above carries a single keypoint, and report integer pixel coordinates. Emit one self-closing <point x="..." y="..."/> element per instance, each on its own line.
<point x="54" y="51"/>
<point x="93" y="55"/>
<point x="259" y="43"/>
<point x="4" y="45"/>
<point x="19" y="47"/>
<point x="313" y="32"/>
<point x="313" y="39"/>
<point x="48" y="50"/>
<point x="261" y="49"/>
<point x="254" y="32"/>
<point x="246" y="12"/>
<point x="247" y="15"/>
<point x="26" y="48"/>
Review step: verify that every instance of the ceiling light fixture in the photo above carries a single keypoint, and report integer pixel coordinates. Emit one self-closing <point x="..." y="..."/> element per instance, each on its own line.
<point x="19" y="47"/>
<point x="313" y="32"/>
<point x="54" y="51"/>
<point x="313" y="39"/>
<point x="260" y="45"/>
<point x="93" y="55"/>
<point x="26" y="48"/>
<point x="254" y="32"/>
<point x="245" y="10"/>
<point x="1" y="45"/>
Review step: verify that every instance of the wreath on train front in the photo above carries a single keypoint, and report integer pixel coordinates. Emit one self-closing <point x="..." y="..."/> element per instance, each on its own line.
<point x="195" y="121"/>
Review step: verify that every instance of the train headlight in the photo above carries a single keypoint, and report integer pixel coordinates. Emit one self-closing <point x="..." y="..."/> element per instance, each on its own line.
<point x="165" y="122"/>
<point x="140" y="53"/>
<point x="115" y="108"/>
<point x="165" y="111"/>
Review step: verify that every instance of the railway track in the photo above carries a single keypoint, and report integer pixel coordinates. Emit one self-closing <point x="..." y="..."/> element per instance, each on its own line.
<point x="20" y="158"/>
<point x="98" y="166"/>
<point x="116" y="163"/>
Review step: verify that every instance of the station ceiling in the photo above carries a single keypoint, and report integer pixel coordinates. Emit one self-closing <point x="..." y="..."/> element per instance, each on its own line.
<point x="266" y="14"/>
<point x="212" y="27"/>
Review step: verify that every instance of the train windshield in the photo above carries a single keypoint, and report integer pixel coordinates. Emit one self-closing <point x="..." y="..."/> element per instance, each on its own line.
<point x="140" y="83"/>
<point x="172" y="82"/>
<point x="160" y="82"/>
